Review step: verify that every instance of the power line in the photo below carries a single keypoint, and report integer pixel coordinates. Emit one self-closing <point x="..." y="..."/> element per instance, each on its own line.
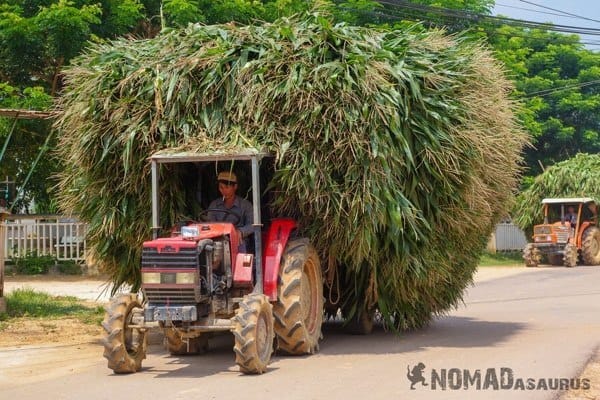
<point x="561" y="88"/>
<point x="413" y="15"/>
<point x="477" y="17"/>
<point x="509" y="35"/>
<point x="562" y="12"/>
<point x="535" y="11"/>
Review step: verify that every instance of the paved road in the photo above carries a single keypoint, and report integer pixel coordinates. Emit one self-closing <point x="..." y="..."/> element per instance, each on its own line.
<point x="540" y="324"/>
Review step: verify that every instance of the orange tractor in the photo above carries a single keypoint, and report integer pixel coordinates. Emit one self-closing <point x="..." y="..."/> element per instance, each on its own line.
<point x="569" y="233"/>
<point x="198" y="281"/>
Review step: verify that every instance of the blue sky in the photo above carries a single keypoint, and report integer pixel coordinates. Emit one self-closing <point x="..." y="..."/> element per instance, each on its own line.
<point x="524" y="9"/>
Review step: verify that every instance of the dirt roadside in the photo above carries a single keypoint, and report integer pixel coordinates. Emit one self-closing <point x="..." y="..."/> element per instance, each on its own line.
<point x="63" y="331"/>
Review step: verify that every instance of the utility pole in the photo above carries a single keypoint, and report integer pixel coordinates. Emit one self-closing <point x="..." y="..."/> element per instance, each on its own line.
<point x="3" y="214"/>
<point x="5" y="199"/>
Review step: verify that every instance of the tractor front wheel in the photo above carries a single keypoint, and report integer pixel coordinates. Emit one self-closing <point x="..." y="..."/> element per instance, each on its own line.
<point x="178" y="346"/>
<point x="570" y="256"/>
<point x="124" y="347"/>
<point x="590" y="246"/>
<point x="253" y="334"/>
<point x="298" y="311"/>
<point x="531" y="255"/>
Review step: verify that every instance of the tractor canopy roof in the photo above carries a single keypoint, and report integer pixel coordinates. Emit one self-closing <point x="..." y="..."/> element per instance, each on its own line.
<point x="569" y="200"/>
<point x="178" y="156"/>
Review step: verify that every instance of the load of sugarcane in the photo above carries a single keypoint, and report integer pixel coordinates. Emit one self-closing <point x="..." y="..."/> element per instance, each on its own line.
<point x="396" y="150"/>
<point x="578" y="176"/>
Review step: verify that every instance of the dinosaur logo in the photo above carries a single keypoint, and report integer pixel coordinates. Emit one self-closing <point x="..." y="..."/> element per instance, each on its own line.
<point x="416" y="375"/>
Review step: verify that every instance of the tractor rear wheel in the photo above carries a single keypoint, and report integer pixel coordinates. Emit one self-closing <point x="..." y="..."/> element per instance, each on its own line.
<point x="177" y="346"/>
<point x="531" y="255"/>
<point x="590" y="246"/>
<point x="570" y="256"/>
<point x="253" y="334"/>
<point x="124" y="347"/>
<point x="298" y="311"/>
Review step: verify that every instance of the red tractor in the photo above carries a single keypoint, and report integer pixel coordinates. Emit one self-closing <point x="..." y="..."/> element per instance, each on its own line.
<point x="196" y="282"/>
<point x="569" y="232"/>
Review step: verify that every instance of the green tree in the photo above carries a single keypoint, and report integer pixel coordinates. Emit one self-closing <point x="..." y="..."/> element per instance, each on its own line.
<point x="25" y="140"/>
<point x="182" y="12"/>
<point x="35" y="48"/>
<point x="21" y="47"/>
<point x="558" y="81"/>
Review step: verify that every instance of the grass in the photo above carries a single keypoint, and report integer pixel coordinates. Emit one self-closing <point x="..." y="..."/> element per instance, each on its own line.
<point x="514" y="259"/>
<point x="28" y="303"/>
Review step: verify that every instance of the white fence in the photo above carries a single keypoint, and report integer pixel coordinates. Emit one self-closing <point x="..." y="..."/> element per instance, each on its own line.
<point x="507" y="237"/>
<point x="57" y="236"/>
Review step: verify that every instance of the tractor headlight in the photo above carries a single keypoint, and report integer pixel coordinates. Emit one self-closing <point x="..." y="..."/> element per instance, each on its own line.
<point x="185" y="277"/>
<point x="150" y="277"/>
<point x="189" y="231"/>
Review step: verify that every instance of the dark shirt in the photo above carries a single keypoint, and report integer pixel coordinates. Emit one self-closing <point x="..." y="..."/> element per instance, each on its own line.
<point x="571" y="218"/>
<point x="241" y="207"/>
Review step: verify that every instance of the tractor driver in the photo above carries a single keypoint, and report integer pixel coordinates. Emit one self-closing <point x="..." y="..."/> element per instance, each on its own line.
<point x="571" y="216"/>
<point x="236" y="207"/>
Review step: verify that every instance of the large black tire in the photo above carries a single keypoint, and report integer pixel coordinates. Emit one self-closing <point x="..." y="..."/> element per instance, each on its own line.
<point x="124" y="347"/>
<point x="179" y="347"/>
<point x="298" y="311"/>
<point x="570" y="257"/>
<point x="531" y="255"/>
<point x="253" y="333"/>
<point x="590" y="246"/>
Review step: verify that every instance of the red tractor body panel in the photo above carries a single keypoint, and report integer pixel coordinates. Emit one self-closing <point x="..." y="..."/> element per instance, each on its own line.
<point x="274" y="243"/>
<point x="205" y="231"/>
<point x="242" y="271"/>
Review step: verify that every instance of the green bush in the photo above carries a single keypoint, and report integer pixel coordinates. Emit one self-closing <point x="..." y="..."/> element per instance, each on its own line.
<point x="33" y="264"/>
<point x="69" y="267"/>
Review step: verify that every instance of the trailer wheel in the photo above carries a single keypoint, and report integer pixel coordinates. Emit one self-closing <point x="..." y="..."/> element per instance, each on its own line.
<point x="177" y="346"/>
<point x="531" y="255"/>
<point x="570" y="256"/>
<point x="590" y="246"/>
<point x="253" y="333"/>
<point x="361" y="323"/>
<point x="124" y="347"/>
<point x="298" y="311"/>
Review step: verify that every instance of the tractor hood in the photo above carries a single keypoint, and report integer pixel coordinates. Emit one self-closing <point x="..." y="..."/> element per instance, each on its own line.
<point x="190" y="235"/>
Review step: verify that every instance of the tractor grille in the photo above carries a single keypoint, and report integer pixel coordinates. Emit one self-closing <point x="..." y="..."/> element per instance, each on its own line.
<point x="185" y="257"/>
<point x="170" y="296"/>
<point x="542" y="230"/>
<point x="562" y="237"/>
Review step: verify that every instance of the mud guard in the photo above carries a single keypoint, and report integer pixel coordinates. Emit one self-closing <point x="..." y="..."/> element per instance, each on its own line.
<point x="582" y="228"/>
<point x="275" y="242"/>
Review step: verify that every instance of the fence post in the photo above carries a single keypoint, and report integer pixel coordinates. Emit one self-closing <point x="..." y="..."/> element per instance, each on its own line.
<point x="3" y="214"/>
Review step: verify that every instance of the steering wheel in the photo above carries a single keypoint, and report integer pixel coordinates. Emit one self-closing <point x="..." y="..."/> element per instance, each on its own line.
<point x="203" y="216"/>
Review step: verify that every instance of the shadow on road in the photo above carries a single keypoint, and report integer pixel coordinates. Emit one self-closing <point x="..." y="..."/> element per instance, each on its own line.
<point x="447" y="332"/>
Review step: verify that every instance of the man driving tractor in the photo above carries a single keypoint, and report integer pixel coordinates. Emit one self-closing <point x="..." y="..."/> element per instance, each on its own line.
<point x="236" y="210"/>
